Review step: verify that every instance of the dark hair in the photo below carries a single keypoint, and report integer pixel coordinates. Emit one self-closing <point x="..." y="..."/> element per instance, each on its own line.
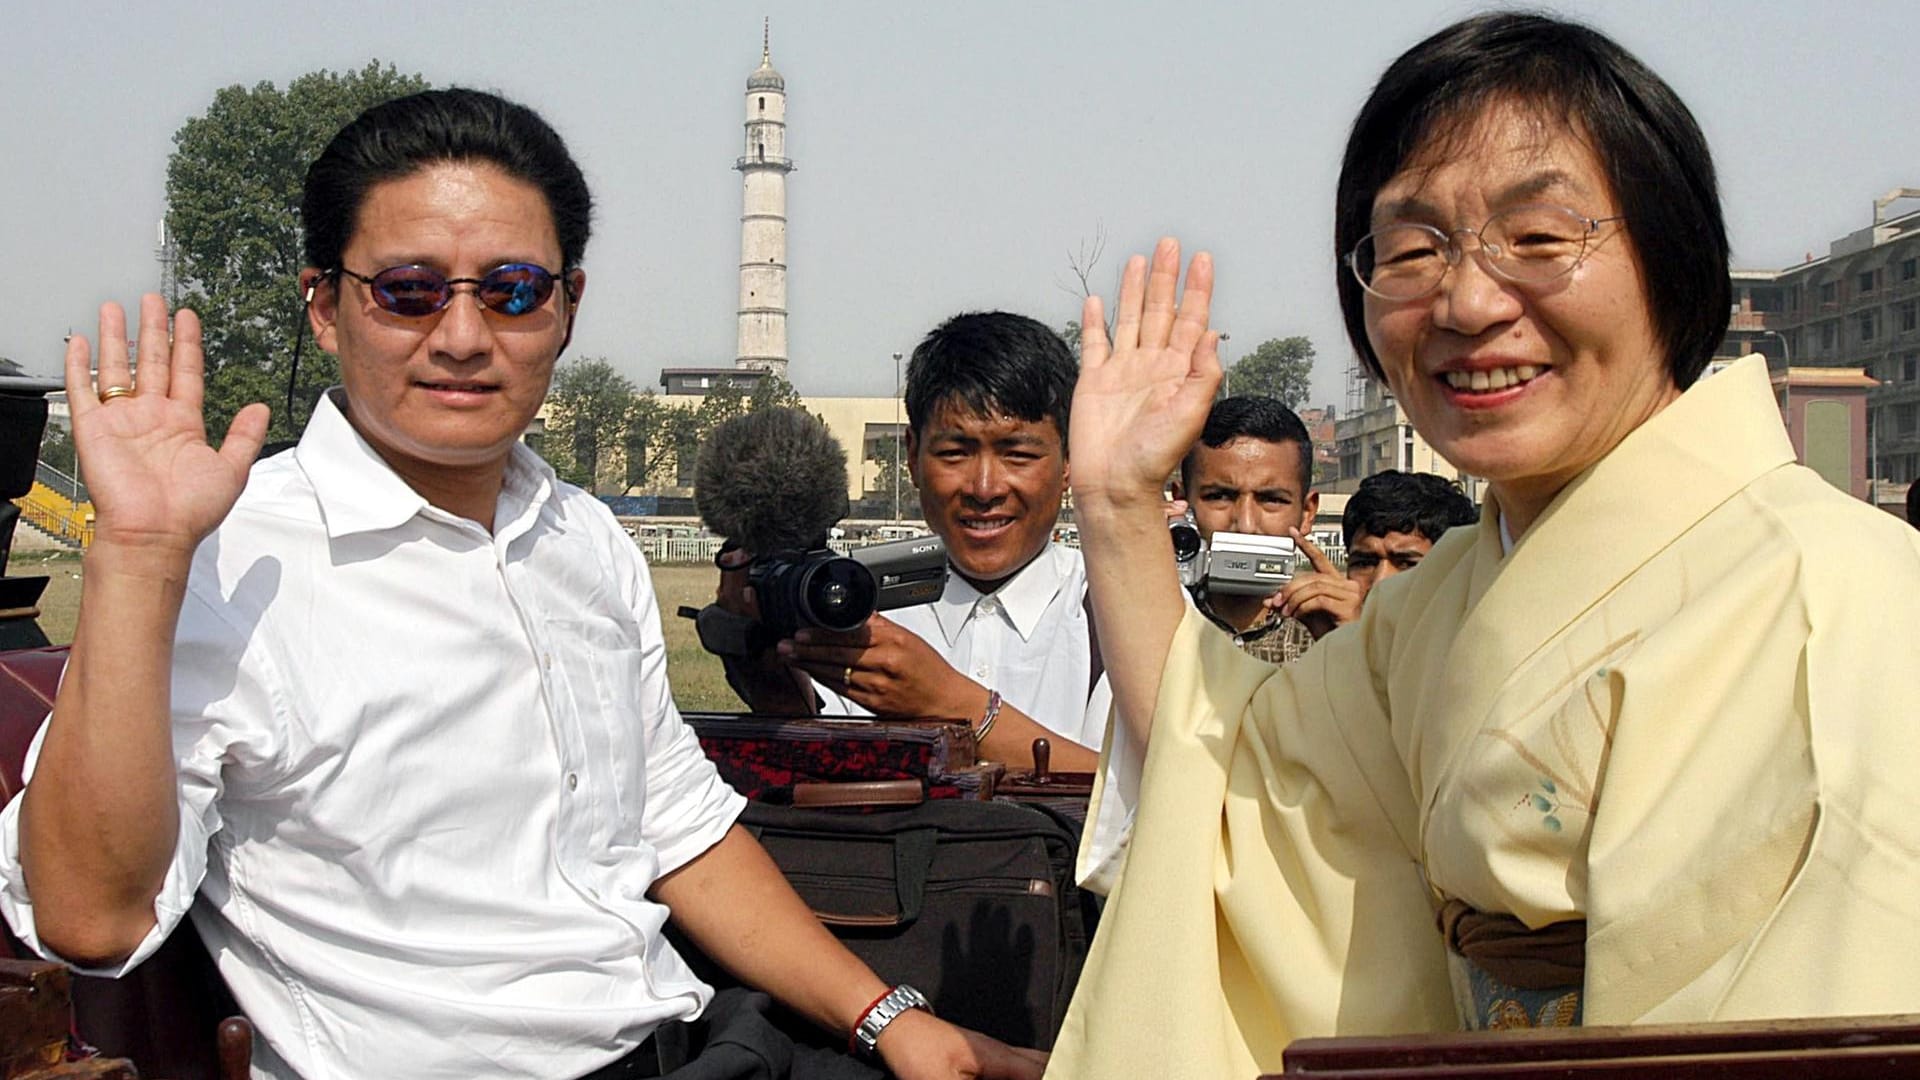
<point x="1648" y="145"/>
<point x="397" y="138"/>
<point x="1401" y="502"/>
<point x="994" y="363"/>
<point x="1252" y="416"/>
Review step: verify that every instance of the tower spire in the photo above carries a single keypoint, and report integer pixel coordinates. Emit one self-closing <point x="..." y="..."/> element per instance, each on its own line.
<point x="764" y="166"/>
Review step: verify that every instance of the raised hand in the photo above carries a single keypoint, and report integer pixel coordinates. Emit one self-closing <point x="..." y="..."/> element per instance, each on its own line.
<point x="1325" y="599"/>
<point x="1143" y="397"/>
<point x="154" y="480"/>
<point x="100" y="821"/>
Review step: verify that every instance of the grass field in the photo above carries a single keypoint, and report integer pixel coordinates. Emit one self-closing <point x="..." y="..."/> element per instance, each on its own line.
<point x="60" y="604"/>
<point x="695" y="674"/>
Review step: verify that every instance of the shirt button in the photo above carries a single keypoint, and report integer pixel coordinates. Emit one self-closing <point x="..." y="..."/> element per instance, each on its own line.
<point x="981" y="672"/>
<point x="573" y="781"/>
<point x="989" y="605"/>
<point x="546" y="659"/>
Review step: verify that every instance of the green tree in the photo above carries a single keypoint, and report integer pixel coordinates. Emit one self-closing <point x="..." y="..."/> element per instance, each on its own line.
<point x="1280" y="368"/>
<point x="724" y="400"/>
<point x="1080" y="267"/>
<point x="233" y="200"/>
<point x="773" y="392"/>
<point x="649" y="439"/>
<point x="587" y="410"/>
<point x="57" y="450"/>
<point x="663" y="441"/>
<point x="890" y="453"/>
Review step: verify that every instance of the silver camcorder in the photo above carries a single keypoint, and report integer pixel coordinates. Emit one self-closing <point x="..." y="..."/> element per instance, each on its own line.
<point x="1235" y="564"/>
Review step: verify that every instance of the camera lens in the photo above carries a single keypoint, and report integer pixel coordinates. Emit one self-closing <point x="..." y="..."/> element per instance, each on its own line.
<point x="837" y="594"/>
<point x="1186" y="540"/>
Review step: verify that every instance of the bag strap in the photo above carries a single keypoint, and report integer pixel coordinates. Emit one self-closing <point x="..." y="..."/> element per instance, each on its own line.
<point x="912" y="862"/>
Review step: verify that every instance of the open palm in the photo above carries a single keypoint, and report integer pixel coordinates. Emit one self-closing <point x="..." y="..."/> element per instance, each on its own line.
<point x="1143" y="397"/>
<point x="153" y="478"/>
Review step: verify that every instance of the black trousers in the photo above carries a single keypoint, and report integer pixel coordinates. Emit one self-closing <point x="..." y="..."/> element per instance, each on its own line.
<point x="735" y="1039"/>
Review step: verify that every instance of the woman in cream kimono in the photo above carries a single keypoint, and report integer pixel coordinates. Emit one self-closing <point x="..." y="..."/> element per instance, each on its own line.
<point x="1645" y="746"/>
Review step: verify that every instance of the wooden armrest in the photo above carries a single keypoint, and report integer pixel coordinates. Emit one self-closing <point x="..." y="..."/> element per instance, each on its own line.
<point x="1864" y="1046"/>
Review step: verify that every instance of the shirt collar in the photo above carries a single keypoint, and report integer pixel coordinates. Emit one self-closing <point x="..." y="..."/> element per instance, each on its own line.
<point x="359" y="492"/>
<point x="1023" y="598"/>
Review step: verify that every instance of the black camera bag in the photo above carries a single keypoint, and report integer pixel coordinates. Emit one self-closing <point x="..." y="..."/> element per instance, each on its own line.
<point x="973" y="902"/>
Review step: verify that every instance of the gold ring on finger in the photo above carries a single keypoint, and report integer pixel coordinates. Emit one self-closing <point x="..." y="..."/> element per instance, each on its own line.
<point x="108" y="393"/>
<point x="846" y="679"/>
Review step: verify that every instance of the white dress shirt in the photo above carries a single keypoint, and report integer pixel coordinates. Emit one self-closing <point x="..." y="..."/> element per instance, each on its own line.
<point x="1027" y="639"/>
<point x="427" y="775"/>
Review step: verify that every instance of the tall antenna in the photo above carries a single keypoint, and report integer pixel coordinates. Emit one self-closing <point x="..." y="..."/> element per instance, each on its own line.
<point x="766" y="38"/>
<point x="167" y="253"/>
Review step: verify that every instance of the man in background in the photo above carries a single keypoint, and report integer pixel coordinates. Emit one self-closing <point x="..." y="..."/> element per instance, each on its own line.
<point x="1390" y="524"/>
<point x="1251" y="472"/>
<point x="1008" y="646"/>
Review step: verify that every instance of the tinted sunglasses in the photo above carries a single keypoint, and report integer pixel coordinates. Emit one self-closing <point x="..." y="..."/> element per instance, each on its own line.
<point x="414" y="291"/>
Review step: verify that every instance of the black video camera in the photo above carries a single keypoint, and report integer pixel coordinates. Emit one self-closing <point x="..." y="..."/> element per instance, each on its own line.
<point x="822" y="588"/>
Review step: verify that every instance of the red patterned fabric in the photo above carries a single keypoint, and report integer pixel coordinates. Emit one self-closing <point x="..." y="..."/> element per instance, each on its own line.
<point x="763" y="759"/>
<point x="765" y="770"/>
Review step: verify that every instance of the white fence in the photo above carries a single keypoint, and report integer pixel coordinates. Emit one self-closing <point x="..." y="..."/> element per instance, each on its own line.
<point x="679" y="549"/>
<point x="702" y="549"/>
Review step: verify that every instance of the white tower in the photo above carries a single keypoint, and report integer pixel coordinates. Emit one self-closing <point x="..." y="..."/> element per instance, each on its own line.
<point x="763" y="221"/>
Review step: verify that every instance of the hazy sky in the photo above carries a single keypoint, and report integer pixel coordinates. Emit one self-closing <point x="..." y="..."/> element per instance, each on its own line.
<point x="949" y="156"/>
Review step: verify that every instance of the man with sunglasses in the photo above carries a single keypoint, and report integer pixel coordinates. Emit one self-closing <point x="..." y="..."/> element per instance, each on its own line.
<point x="393" y="721"/>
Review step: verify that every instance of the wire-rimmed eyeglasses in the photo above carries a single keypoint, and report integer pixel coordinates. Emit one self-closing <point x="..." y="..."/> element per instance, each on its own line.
<point x="1524" y="244"/>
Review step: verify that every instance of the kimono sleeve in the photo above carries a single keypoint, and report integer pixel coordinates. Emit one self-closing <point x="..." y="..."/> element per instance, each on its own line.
<point x="1269" y="890"/>
<point x="1843" y="939"/>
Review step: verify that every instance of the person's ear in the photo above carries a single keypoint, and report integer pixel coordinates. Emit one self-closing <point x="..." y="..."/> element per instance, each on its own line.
<point x="1312" y="503"/>
<point x="573" y="286"/>
<point x="320" y="294"/>
<point x="913" y="456"/>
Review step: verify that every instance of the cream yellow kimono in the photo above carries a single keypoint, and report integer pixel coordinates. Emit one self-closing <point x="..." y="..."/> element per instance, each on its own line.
<point x="1685" y="707"/>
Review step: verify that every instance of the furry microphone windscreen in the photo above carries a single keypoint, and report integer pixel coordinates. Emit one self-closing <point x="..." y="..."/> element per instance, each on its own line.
<point x="772" y="480"/>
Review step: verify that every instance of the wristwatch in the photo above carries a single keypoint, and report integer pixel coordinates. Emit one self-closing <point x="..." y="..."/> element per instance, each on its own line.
<point x="866" y="1034"/>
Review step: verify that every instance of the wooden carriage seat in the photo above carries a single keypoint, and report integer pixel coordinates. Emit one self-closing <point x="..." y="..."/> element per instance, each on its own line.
<point x="166" y="1013"/>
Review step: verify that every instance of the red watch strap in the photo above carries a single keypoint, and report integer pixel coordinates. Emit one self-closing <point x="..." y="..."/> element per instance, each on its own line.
<point x="853" y="1045"/>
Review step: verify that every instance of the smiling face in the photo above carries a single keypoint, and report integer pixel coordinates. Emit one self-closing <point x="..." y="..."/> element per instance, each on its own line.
<point x="990" y="486"/>
<point x="1247" y="485"/>
<point x="443" y="397"/>
<point x="1526" y="385"/>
